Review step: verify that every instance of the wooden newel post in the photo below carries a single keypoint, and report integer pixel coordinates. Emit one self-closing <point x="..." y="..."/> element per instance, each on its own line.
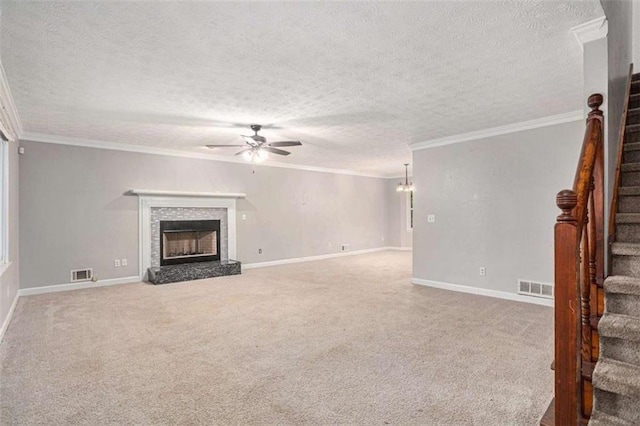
<point x="594" y="103"/>
<point x="567" y="310"/>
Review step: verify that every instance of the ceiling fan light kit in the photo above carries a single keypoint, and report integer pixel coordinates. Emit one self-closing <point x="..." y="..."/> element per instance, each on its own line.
<point x="257" y="155"/>
<point x="406" y="186"/>
<point x="256" y="148"/>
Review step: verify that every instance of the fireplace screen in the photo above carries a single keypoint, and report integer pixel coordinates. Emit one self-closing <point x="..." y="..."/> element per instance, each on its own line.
<point x="185" y="241"/>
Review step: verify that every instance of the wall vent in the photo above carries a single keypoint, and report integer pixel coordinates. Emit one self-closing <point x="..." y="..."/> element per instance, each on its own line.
<point x="532" y="288"/>
<point x="81" y="275"/>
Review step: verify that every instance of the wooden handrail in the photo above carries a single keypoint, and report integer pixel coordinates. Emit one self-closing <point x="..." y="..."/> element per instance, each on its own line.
<point x="623" y="126"/>
<point x="579" y="266"/>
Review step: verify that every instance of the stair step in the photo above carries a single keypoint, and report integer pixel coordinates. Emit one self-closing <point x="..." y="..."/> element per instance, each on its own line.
<point x="625" y="249"/>
<point x="617" y="405"/>
<point x="628" y="232"/>
<point x="633" y="114"/>
<point x="620" y="326"/>
<point x="603" y="419"/>
<point x="633" y="127"/>
<point x="632" y="146"/>
<point x="629" y="190"/>
<point x="630" y="171"/>
<point x="617" y="377"/>
<point x="630" y="167"/>
<point x="627" y="217"/>
<point x="622" y="284"/>
<point x="635" y="77"/>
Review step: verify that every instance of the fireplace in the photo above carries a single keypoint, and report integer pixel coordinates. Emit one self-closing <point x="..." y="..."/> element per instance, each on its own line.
<point x="188" y="241"/>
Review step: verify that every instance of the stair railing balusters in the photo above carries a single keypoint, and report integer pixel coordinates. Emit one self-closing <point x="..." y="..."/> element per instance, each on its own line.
<point x="578" y="242"/>
<point x="585" y="290"/>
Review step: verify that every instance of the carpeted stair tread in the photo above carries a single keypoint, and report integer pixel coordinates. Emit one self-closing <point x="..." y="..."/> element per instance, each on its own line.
<point x="625" y="249"/>
<point x="617" y="377"/>
<point x="620" y="327"/>
<point x="632" y="146"/>
<point x="629" y="190"/>
<point x="630" y="167"/>
<point x="622" y="284"/>
<point x="633" y="128"/>
<point x="603" y="419"/>
<point x="627" y="217"/>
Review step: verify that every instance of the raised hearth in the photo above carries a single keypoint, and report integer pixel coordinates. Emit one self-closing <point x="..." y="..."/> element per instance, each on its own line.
<point x="193" y="271"/>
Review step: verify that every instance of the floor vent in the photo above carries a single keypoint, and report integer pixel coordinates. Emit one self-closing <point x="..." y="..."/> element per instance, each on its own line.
<point x="81" y="275"/>
<point x="532" y="288"/>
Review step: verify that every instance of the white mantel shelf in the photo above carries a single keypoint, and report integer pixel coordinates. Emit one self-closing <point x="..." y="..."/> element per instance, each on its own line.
<point x="156" y="193"/>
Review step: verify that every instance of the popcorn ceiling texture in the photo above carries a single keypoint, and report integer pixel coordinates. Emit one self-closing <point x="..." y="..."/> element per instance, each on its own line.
<point x="355" y="81"/>
<point x="187" y="213"/>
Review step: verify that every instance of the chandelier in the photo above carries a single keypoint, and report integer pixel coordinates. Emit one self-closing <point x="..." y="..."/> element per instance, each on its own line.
<point x="406" y="186"/>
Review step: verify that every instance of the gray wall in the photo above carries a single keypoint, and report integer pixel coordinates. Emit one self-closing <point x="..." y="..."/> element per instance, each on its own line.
<point x="619" y="47"/>
<point x="636" y="35"/>
<point x="9" y="280"/>
<point x="397" y="233"/>
<point x="494" y="201"/>
<point x="74" y="213"/>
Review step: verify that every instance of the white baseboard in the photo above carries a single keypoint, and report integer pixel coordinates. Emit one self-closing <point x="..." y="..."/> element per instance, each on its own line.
<point x="319" y="257"/>
<point x="400" y="248"/>
<point x="7" y="320"/>
<point x="483" y="292"/>
<point x="77" y="286"/>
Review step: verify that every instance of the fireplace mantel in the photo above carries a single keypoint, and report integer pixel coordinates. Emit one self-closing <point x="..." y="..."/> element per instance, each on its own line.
<point x="157" y="193"/>
<point x="149" y="199"/>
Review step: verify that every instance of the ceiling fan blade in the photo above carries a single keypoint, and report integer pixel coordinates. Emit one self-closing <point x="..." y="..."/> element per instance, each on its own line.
<point x="276" y="150"/>
<point x="242" y="151"/>
<point x="224" y="146"/>
<point x="285" y="143"/>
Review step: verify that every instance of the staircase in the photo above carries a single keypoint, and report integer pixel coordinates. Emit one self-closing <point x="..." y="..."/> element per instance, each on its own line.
<point x="616" y="377"/>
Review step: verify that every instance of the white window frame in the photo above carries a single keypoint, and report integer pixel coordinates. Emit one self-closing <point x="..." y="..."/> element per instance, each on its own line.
<point x="409" y="211"/>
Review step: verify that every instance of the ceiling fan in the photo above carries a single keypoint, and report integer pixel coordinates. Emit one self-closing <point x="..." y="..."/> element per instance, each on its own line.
<point x="256" y="147"/>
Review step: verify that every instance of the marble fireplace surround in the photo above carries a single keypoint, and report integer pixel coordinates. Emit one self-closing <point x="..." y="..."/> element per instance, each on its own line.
<point x="152" y="199"/>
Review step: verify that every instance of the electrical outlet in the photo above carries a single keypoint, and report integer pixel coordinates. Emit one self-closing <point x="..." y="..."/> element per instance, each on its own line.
<point x="344" y="247"/>
<point x="483" y="271"/>
<point x="116" y="263"/>
<point x="123" y="262"/>
<point x="431" y="218"/>
<point x="259" y="251"/>
<point x="244" y="216"/>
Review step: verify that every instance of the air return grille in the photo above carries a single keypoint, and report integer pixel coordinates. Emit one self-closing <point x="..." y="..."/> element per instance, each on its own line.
<point x="532" y="288"/>
<point x="81" y="275"/>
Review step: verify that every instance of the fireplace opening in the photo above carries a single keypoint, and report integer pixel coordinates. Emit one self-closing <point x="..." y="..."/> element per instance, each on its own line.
<point x="187" y="241"/>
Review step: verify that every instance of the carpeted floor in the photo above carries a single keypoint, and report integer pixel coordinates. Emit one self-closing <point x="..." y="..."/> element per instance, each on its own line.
<point x="345" y="341"/>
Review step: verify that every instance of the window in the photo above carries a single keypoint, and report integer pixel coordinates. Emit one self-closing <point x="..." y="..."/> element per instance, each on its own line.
<point x="410" y="211"/>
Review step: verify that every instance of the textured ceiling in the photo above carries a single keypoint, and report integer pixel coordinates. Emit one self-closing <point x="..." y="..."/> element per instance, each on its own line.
<point x="356" y="82"/>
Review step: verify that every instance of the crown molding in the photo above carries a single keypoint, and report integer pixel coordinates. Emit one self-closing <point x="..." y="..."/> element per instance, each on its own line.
<point x="116" y="146"/>
<point x="9" y="118"/>
<point x="589" y="31"/>
<point x="501" y="130"/>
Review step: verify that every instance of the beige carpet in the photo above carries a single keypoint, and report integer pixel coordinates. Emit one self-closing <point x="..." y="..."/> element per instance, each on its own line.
<point x="341" y="341"/>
